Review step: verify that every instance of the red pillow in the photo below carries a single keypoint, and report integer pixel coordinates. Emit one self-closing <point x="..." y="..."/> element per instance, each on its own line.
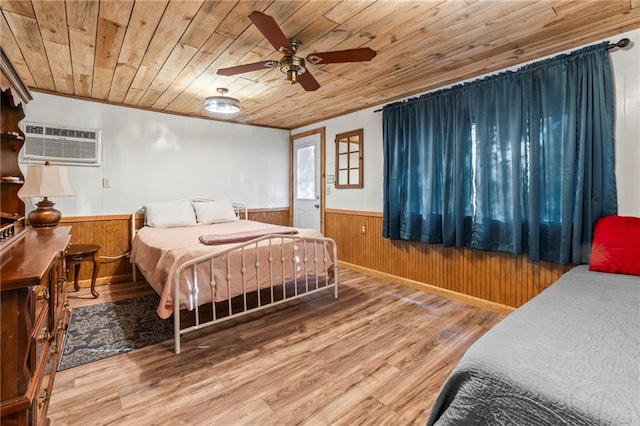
<point x="616" y="245"/>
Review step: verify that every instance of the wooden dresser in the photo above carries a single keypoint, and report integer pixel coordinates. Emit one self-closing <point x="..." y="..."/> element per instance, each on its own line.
<point x="34" y="315"/>
<point x="33" y="310"/>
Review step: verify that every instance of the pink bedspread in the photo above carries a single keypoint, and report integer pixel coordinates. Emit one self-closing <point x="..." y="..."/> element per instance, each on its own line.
<point x="158" y="252"/>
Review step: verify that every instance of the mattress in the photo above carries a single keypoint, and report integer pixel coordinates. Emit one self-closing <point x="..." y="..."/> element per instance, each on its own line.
<point x="159" y="252"/>
<point x="569" y="356"/>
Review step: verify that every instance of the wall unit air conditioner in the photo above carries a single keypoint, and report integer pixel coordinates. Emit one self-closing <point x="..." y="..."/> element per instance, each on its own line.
<point x="60" y="145"/>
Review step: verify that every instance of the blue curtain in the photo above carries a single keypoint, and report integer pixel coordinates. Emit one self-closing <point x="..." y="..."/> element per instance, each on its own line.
<point x="519" y="162"/>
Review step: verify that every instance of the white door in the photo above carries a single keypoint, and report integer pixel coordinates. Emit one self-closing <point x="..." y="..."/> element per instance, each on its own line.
<point x="306" y="182"/>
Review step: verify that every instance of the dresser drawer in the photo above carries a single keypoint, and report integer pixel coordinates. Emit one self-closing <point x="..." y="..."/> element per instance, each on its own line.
<point x="50" y="366"/>
<point x="45" y="387"/>
<point x="41" y="338"/>
<point x="44" y="349"/>
<point x="61" y="331"/>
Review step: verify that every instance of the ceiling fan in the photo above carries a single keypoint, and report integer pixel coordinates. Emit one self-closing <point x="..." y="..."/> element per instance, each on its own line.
<point x="294" y="66"/>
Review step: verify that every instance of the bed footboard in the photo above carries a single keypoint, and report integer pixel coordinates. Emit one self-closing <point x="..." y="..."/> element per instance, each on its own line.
<point x="251" y="276"/>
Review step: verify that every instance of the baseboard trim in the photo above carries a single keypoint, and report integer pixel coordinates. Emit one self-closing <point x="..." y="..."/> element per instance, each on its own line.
<point x="112" y="279"/>
<point x="453" y="295"/>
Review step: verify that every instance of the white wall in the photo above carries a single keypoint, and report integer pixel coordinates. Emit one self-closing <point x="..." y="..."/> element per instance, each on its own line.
<point x="626" y="64"/>
<point x="150" y="156"/>
<point x="626" y="68"/>
<point x="369" y="198"/>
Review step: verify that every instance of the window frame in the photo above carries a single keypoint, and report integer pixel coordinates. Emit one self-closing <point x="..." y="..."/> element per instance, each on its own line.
<point x="346" y="138"/>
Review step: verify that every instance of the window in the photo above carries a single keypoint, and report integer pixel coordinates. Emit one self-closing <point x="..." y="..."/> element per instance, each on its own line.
<point x="349" y="158"/>
<point x="306" y="173"/>
<point x="520" y="162"/>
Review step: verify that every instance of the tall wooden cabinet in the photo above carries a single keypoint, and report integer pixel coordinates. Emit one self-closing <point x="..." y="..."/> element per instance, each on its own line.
<point x="33" y="309"/>
<point x="14" y="98"/>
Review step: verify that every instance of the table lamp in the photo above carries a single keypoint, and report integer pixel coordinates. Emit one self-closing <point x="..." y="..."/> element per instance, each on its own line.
<point x="45" y="180"/>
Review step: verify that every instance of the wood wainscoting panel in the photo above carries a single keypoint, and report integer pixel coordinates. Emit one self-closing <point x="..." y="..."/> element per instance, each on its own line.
<point x="113" y="234"/>
<point x="499" y="278"/>
<point x="275" y="216"/>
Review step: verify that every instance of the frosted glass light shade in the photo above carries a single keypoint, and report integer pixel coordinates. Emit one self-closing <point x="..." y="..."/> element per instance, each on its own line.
<point x="222" y="104"/>
<point x="45" y="180"/>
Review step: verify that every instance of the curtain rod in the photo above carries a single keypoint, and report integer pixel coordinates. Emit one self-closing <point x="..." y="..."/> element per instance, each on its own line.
<point x="622" y="43"/>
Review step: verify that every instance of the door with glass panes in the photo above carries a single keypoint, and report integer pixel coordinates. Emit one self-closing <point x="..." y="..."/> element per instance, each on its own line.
<point x="306" y="182"/>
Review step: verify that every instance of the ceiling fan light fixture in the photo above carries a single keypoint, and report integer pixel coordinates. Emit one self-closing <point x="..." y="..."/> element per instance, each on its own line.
<point x="292" y="67"/>
<point x="222" y="104"/>
<point x="292" y="77"/>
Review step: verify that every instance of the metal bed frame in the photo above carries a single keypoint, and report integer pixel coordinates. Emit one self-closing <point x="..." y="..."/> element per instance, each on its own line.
<point x="311" y="281"/>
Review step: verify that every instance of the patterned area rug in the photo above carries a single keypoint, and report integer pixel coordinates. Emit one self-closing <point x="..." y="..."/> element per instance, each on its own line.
<point x="100" y="331"/>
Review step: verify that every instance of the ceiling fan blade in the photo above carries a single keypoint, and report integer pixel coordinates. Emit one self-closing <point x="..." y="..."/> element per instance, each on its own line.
<point x="339" y="56"/>
<point x="239" y="69"/>
<point x="308" y="82"/>
<point x="271" y="31"/>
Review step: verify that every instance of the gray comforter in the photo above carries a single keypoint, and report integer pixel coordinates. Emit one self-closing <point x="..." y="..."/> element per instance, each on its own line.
<point x="570" y="356"/>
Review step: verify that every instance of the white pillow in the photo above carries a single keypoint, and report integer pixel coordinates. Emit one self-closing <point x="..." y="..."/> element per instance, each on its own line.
<point x="170" y="214"/>
<point x="217" y="211"/>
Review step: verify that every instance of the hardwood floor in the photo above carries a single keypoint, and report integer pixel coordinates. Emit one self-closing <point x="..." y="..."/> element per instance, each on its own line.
<point x="376" y="355"/>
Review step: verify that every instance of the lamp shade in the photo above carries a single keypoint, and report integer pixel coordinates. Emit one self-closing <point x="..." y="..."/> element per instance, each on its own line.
<point x="45" y="180"/>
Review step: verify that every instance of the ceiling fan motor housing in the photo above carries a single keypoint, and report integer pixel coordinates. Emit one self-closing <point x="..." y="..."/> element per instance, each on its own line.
<point x="292" y="66"/>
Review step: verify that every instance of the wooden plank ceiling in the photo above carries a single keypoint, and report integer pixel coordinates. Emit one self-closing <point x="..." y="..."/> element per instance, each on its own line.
<point x="163" y="55"/>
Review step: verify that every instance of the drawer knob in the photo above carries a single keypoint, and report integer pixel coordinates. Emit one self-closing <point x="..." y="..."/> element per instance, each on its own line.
<point x="43" y="295"/>
<point x="66" y="305"/>
<point x="61" y="326"/>
<point x="44" y="335"/>
<point x="43" y="397"/>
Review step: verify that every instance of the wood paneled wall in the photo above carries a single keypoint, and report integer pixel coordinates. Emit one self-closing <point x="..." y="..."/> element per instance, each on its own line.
<point x="498" y="281"/>
<point x="279" y="216"/>
<point x="113" y="234"/>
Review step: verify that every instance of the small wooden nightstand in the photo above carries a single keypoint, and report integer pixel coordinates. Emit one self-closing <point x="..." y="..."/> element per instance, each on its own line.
<point x="78" y="253"/>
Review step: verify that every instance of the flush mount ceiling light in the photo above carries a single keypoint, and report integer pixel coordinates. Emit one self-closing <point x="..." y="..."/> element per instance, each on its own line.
<point x="222" y="104"/>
